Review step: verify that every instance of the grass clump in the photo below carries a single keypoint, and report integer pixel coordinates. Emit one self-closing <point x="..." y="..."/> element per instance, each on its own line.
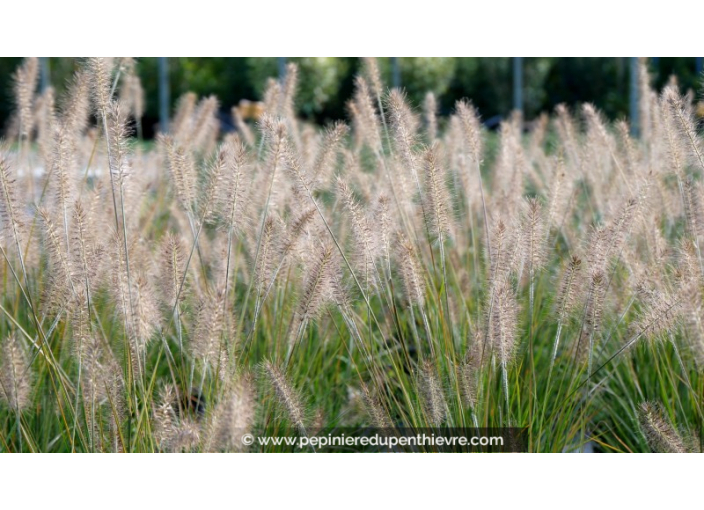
<point x="404" y="271"/>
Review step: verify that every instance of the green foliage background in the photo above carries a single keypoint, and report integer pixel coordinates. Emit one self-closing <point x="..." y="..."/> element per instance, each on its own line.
<point x="327" y="82"/>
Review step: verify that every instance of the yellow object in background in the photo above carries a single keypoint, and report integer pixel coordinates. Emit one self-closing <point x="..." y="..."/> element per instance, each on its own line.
<point x="699" y="110"/>
<point x="250" y="109"/>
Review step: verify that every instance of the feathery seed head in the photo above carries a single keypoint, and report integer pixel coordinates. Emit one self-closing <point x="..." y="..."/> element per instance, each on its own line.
<point x="234" y="416"/>
<point x="325" y="159"/>
<point x="15" y="374"/>
<point x="660" y="433"/>
<point x="10" y="209"/>
<point x="75" y="107"/>
<point x="413" y="282"/>
<point x="213" y="330"/>
<point x="371" y="70"/>
<point x="471" y="129"/>
<point x="375" y="410"/>
<point x="365" y="115"/>
<point x="436" y="195"/>
<point x="25" y="83"/>
<point x="468" y="373"/>
<point x="119" y="133"/>
<point x="100" y="69"/>
<point x="319" y="284"/>
<point x="503" y="323"/>
<point x="433" y="398"/>
<point x="533" y="234"/>
<point x="660" y="315"/>
<point x="287" y="395"/>
<point x="430" y="111"/>
<point x="365" y="249"/>
<point x="164" y="416"/>
<point x="172" y="269"/>
<point x="565" y="300"/>
<point x="182" y="168"/>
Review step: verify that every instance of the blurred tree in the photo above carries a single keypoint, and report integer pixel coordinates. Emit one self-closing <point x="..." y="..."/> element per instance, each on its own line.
<point x="319" y="80"/>
<point x="683" y="68"/>
<point x="486" y="81"/>
<point x="602" y="81"/>
<point x="62" y="70"/>
<point x="420" y="75"/>
<point x="7" y="67"/>
<point x="227" y="78"/>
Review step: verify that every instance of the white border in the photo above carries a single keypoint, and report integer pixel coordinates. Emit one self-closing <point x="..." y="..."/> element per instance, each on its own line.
<point x="350" y="27"/>
<point x="428" y="481"/>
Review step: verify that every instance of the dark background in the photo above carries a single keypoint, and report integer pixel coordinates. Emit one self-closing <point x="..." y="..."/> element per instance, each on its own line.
<point x="327" y="83"/>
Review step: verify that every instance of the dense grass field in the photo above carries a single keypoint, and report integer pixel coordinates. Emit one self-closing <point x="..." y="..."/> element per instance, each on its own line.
<point x="400" y="270"/>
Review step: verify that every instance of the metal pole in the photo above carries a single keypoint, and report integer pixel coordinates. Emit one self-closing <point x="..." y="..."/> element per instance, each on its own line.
<point x="45" y="79"/>
<point x="395" y="73"/>
<point x="164" y="93"/>
<point x="282" y="67"/>
<point x="635" y="121"/>
<point x="518" y="84"/>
